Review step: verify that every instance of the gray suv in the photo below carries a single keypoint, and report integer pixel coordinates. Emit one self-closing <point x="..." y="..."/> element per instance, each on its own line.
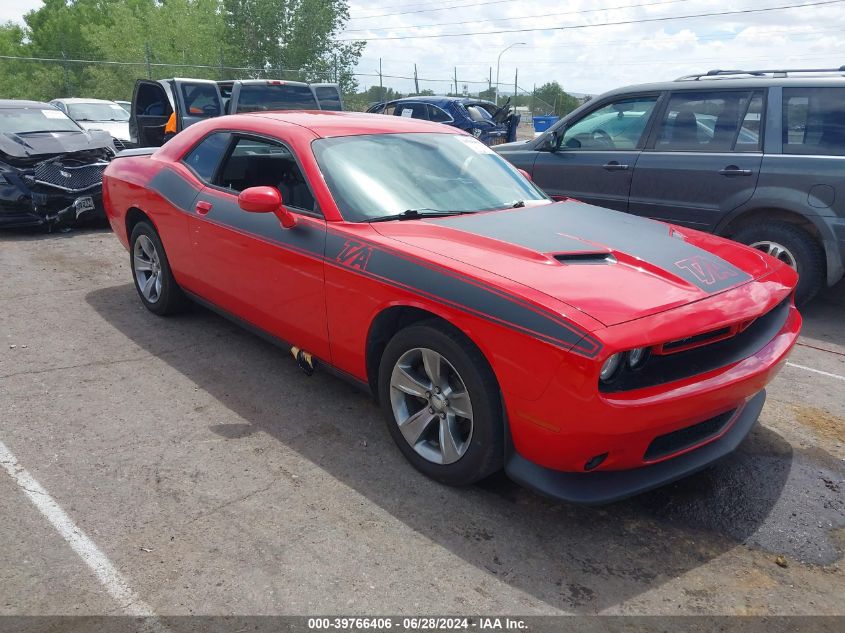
<point x="757" y="156"/>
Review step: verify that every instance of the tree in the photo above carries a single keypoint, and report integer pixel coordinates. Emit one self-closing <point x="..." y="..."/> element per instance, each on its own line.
<point x="293" y="39"/>
<point x="551" y="98"/>
<point x="14" y="76"/>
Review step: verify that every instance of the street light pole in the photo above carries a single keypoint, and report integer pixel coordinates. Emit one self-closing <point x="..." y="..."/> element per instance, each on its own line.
<point x="498" y="61"/>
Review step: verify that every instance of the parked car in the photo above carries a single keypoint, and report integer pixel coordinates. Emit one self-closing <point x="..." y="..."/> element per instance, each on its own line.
<point x="196" y="99"/>
<point x="489" y="123"/>
<point x="50" y="168"/>
<point x="98" y="114"/>
<point x="591" y="353"/>
<point x="756" y="156"/>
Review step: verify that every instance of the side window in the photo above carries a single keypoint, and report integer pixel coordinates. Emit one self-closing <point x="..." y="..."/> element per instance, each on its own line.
<point x="328" y="98"/>
<point x="438" y="115"/>
<point x="412" y="110"/>
<point x="750" y="132"/>
<point x="706" y="121"/>
<point x="618" y="125"/>
<point x="389" y="110"/>
<point x="205" y="157"/>
<point x="201" y="100"/>
<point x="257" y="162"/>
<point x="814" y="121"/>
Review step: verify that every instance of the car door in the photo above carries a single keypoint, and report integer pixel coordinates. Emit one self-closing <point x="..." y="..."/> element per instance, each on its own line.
<point x="592" y="158"/>
<point x="249" y="265"/>
<point x="152" y="105"/>
<point x="703" y="158"/>
<point x="197" y="99"/>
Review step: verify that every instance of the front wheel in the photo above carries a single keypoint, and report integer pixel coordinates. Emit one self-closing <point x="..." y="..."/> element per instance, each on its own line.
<point x="793" y="246"/>
<point x="441" y="404"/>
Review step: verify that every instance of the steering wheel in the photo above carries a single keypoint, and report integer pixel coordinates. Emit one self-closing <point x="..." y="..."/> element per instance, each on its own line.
<point x="602" y="137"/>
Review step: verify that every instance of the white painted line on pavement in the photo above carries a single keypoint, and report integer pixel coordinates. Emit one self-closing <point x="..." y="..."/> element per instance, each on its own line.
<point x="87" y="550"/>
<point x="816" y="371"/>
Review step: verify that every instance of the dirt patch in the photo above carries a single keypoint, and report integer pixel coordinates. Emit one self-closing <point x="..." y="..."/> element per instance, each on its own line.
<point x="824" y="423"/>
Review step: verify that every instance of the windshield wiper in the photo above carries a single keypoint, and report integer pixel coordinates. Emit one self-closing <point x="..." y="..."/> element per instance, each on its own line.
<point x="413" y="214"/>
<point x="518" y="204"/>
<point x="44" y="132"/>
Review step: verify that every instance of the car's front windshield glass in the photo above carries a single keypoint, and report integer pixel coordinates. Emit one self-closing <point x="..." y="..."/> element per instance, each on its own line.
<point x="97" y="112"/>
<point x="377" y="175"/>
<point x="29" y="120"/>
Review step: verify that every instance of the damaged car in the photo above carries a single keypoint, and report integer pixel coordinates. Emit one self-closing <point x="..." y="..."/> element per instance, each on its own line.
<point x="489" y="123"/>
<point x="51" y="169"/>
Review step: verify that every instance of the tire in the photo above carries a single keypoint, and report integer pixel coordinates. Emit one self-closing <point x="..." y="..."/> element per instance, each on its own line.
<point x="477" y="447"/>
<point x="165" y="296"/>
<point x="801" y="251"/>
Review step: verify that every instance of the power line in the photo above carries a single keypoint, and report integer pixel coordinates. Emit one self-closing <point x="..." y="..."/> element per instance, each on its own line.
<point x="524" y="17"/>
<point x="589" y="26"/>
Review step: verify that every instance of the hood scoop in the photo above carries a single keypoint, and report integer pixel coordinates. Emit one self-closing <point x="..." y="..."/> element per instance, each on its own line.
<point x="585" y="258"/>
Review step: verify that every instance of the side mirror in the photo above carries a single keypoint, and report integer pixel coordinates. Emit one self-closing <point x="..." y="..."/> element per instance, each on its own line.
<point x="266" y="200"/>
<point x="525" y="174"/>
<point x="552" y="142"/>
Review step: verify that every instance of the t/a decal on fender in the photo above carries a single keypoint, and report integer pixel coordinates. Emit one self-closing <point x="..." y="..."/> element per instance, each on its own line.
<point x="355" y="255"/>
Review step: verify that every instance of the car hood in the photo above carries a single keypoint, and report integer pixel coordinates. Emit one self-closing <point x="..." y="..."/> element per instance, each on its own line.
<point x="28" y="146"/>
<point x="117" y="129"/>
<point x="611" y="266"/>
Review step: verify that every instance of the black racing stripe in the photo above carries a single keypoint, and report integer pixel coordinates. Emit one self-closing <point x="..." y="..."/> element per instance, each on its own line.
<point x="377" y="262"/>
<point x="463" y="292"/>
<point x="575" y="227"/>
<point x="175" y="189"/>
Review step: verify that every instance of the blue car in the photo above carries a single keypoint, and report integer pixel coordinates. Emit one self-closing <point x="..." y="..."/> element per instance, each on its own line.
<point x="489" y="123"/>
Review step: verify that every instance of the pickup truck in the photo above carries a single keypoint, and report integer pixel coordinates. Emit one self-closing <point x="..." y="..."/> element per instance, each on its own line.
<point x="153" y="101"/>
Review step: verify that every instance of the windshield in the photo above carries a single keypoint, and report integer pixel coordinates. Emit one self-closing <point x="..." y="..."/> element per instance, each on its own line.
<point x="24" y="120"/>
<point x="97" y="112"/>
<point x="258" y="97"/>
<point x="376" y="175"/>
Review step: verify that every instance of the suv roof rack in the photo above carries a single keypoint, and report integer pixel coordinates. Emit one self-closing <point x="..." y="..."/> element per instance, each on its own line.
<point x="780" y="72"/>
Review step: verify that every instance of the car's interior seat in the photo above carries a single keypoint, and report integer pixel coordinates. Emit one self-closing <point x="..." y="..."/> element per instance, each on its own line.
<point x="684" y="130"/>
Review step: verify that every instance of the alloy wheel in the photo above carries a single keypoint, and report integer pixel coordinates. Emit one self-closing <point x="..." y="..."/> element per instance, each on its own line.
<point x="147" y="266"/>
<point x="431" y="406"/>
<point x="778" y="251"/>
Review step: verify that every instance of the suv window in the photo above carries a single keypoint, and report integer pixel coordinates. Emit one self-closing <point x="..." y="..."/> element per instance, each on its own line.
<point x="256" y="162"/>
<point x="205" y="157"/>
<point x="708" y="121"/>
<point x="201" y="100"/>
<point x="814" y="121"/>
<point x="618" y="125"/>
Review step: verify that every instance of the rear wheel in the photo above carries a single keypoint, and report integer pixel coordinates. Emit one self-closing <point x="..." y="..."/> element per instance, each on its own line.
<point x="151" y="272"/>
<point x="441" y="404"/>
<point x="793" y="246"/>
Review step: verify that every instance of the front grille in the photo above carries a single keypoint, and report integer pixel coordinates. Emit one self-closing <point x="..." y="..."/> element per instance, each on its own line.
<point x="70" y="178"/>
<point x="676" y="441"/>
<point x="497" y="140"/>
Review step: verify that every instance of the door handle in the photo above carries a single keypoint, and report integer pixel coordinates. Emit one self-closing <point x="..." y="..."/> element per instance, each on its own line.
<point x="733" y="170"/>
<point x="202" y="207"/>
<point x="614" y="165"/>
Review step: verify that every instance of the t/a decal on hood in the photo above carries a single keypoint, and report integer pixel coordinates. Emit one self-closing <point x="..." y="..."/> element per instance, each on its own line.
<point x="575" y="228"/>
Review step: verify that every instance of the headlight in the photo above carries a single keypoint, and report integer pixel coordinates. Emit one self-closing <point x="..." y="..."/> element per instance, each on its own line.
<point x="637" y="357"/>
<point x="476" y="132"/>
<point x="610" y="367"/>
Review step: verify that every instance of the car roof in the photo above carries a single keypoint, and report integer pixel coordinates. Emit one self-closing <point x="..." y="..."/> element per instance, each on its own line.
<point x="705" y="83"/>
<point x="82" y="100"/>
<point x="22" y="103"/>
<point x="439" y="99"/>
<point x="327" y="123"/>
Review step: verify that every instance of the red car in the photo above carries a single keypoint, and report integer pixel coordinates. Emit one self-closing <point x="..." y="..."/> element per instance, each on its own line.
<point x="590" y="353"/>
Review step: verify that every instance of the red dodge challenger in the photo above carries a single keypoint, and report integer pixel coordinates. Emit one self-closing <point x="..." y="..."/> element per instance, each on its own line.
<point x="592" y="354"/>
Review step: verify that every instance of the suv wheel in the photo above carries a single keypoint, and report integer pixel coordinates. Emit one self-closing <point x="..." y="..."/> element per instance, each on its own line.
<point x="151" y="272"/>
<point x="441" y="404"/>
<point x="793" y="246"/>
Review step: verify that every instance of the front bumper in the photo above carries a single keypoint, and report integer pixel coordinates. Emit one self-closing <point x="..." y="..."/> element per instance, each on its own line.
<point x="601" y="487"/>
<point x="49" y="207"/>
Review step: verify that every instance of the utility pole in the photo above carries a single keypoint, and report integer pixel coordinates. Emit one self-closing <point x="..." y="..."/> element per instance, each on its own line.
<point x="490" y="80"/>
<point x="334" y="57"/>
<point x="515" y="76"/>
<point x="64" y="72"/>
<point x="380" y="84"/>
<point x="416" y="81"/>
<point x="147" y="56"/>
<point x="533" y="98"/>
<point x="456" y="81"/>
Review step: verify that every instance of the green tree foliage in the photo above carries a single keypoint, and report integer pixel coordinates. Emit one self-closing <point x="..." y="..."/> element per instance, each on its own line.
<point x="552" y="99"/>
<point x="213" y="39"/>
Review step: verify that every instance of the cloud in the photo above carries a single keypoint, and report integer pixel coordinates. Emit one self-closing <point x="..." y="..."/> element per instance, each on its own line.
<point x="591" y="60"/>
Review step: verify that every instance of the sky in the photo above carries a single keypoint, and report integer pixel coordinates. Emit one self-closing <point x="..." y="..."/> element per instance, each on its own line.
<point x="588" y="59"/>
